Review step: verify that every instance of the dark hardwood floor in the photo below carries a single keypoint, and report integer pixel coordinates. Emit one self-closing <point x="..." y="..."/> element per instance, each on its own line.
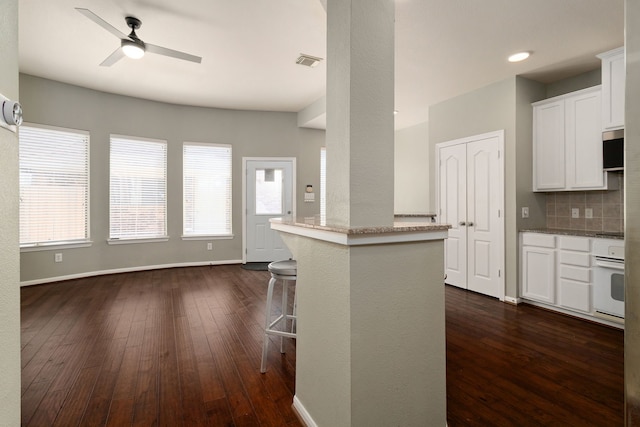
<point x="182" y="346"/>
<point x="525" y="366"/>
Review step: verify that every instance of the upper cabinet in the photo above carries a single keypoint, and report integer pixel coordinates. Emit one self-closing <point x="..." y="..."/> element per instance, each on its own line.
<point x="567" y="143"/>
<point x="613" y="78"/>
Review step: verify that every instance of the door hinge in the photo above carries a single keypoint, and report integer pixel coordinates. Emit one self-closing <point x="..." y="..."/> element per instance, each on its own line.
<point x="499" y="272"/>
<point x="499" y="213"/>
<point x="498" y="153"/>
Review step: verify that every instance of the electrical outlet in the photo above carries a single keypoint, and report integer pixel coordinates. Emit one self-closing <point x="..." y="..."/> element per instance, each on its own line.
<point x="525" y="212"/>
<point x="209" y="246"/>
<point x="575" y="212"/>
<point x="57" y="257"/>
<point x="588" y="213"/>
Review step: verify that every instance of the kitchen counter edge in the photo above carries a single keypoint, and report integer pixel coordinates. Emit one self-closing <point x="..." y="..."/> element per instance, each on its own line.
<point x="578" y="233"/>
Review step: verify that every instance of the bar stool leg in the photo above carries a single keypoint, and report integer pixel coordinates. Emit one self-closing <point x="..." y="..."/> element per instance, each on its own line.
<point x="295" y="313"/>
<point x="285" y="310"/>
<point x="265" y="344"/>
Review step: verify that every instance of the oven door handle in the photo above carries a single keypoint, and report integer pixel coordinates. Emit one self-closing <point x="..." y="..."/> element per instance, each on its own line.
<point x="610" y="264"/>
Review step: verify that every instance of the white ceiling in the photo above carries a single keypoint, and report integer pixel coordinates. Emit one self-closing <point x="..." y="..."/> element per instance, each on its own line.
<point x="443" y="48"/>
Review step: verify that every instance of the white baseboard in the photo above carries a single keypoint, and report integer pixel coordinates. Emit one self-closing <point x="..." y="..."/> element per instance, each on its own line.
<point x="302" y="413"/>
<point x="512" y="300"/>
<point x="126" y="270"/>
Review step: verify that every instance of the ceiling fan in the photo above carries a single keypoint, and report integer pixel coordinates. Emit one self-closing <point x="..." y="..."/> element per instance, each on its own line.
<point x="131" y="45"/>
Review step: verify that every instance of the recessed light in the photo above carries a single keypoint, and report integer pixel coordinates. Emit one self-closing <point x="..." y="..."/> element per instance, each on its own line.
<point x="520" y="56"/>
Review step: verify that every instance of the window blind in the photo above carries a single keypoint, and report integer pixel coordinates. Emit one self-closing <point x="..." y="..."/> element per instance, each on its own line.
<point x="137" y="188"/>
<point x="54" y="185"/>
<point x="323" y="184"/>
<point x="206" y="189"/>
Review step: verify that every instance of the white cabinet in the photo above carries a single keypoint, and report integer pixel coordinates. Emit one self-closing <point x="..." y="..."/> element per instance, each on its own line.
<point x="574" y="273"/>
<point x="613" y="82"/>
<point x="549" y="166"/>
<point x="538" y="267"/>
<point x="567" y="143"/>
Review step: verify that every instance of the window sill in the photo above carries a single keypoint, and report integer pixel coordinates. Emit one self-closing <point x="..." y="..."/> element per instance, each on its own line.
<point x="56" y="246"/>
<point x="142" y="240"/>
<point x="209" y="237"/>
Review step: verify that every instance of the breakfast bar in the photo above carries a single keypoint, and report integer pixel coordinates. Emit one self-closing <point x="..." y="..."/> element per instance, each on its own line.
<point x="370" y="323"/>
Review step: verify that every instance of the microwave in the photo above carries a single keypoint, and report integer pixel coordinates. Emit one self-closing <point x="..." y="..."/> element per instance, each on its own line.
<point x="613" y="150"/>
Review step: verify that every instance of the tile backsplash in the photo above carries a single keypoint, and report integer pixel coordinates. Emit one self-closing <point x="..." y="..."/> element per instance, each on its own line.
<point x="607" y="209"/>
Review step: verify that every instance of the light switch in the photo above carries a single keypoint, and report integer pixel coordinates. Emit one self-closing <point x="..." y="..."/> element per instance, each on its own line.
<point x="525" y="212"/>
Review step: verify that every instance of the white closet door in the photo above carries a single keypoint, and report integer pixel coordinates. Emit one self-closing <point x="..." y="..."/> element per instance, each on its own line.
<point x="453" y="210"/>
<point x="483" y="216"/>
<point x="471" y="192"/>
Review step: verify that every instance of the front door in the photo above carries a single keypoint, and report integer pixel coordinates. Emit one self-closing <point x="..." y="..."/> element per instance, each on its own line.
<point x="269" y="194"/>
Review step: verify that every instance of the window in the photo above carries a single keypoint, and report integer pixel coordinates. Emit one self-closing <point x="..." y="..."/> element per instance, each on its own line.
<point x="54" y="186"/>
<point x="323" y="184"/>
<point x="137" y="188"/>
<point x="206" y="190"/>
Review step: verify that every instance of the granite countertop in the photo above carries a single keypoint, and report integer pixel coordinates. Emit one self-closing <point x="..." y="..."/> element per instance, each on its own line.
<point x="430" y="215"/>
<point x="580" y="233"/>
<point x="397" y="227"/>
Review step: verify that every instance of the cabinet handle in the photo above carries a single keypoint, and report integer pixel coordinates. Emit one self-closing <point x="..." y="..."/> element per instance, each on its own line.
<point x="470" y="224"/>
<point x="462" y="223"/>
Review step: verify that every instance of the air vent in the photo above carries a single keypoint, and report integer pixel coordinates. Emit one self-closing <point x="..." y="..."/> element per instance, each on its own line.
<point x="308" y="60"/>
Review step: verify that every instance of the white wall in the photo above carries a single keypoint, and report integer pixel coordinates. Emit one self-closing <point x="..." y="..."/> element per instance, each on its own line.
<point x="502" y="105"/>
<point x="251" y="133"/>
<point x="9" y="256"/>
<point x="411" y="161"/>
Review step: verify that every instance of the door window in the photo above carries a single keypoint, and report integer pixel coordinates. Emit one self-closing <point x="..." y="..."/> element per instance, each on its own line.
<point x="268" y="192"/>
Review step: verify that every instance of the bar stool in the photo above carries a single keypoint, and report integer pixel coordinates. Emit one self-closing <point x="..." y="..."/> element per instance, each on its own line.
<point x="285" y="271"/>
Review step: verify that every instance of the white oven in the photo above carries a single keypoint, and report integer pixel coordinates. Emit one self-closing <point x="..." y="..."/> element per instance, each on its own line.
<point x="608" y="276"/>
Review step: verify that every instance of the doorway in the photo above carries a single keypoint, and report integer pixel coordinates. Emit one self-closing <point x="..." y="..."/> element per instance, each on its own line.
<point x="268" y="188"/>
<point x="470" y="189"/>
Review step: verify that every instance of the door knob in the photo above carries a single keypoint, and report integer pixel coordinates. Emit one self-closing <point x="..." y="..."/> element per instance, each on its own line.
<point x="462" y="223"/>
<point x="470" y="224"/>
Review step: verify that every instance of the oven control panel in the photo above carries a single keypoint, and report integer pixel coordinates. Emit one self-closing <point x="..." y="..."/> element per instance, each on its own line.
<point x="616" y="251"/>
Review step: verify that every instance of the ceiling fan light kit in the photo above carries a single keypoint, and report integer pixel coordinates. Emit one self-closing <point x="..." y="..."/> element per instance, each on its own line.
<point x="131" y="45"/>
<point x="132" y="49"/>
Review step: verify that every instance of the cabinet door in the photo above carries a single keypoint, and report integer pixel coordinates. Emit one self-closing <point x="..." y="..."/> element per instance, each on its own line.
<point x="538" y="273"/>
<point x="548" y="146"/>
<point x="613" y="82"/>
<point x="584" y="141"/>
<point x="574" y="295"/>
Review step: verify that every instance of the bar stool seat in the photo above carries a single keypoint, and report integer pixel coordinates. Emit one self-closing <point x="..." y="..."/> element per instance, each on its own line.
<point x="285" y="272"/>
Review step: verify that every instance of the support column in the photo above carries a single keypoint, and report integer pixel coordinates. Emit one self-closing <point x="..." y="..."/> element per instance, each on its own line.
<point x="360" y="104"/>
<point x="370" y="331"/>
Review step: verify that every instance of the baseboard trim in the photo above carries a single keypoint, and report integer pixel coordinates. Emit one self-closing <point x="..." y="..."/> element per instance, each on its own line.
<point x="302" y="413"/>
<point x="512" y="300"/>
<point x="126" y="270"/>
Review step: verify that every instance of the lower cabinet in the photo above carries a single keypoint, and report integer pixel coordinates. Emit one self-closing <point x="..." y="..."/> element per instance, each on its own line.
<point x="574" y="273"/>
<point x="538" y="267"/>
<point x="556" y="270"/>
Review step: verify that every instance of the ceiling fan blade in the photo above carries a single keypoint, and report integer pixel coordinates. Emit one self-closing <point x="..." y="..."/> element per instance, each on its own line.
<point x="172" y="53"/>
<point x="104" y="24"/>
<point x="117" y="55"/>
